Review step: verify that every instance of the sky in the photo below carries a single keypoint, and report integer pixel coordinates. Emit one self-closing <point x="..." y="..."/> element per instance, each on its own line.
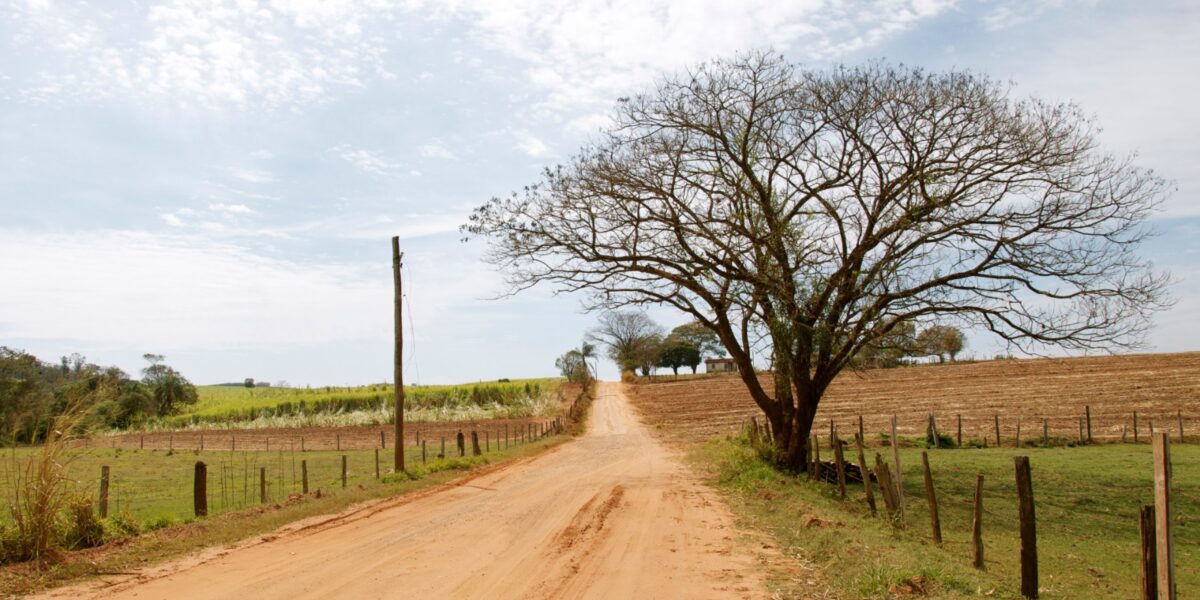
<point x="217" y="181"/>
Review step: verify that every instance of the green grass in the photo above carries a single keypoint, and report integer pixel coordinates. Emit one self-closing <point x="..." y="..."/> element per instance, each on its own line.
<point x="1087" y="500"/>
<point x="155" y="486"/>
<point x="234" y="406"/>
<point x="164" y="503"/>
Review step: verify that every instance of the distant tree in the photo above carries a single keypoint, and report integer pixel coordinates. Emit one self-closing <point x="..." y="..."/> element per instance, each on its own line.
<point x="647" y="353"/>
<point x="248" y="382"/>
<point x="889" y="349"/>
<point x="170" y="390"/>
<point x="629" y="337"/>
<point x="678" y="354"/>
<point x="953" y="342"/>
<point x="941" y="341"/>
<point x="573" y="366"/>
<point x="703" y="339"/>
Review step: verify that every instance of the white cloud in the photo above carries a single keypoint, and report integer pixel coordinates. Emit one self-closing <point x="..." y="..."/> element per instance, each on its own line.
<point x="365" y="160"/>
<point x="586" y="53"/>
<point x="252" y="175"/>
<point x="234" y="209"/>
<point x="121" y="287"/>
<point x="209" y="53"/>
<point x="531" y="144"/>
<point x="436" y="149"/>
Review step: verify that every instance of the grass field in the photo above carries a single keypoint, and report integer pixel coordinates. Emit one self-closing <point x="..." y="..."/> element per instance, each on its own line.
<point x="154" y="487"/>
<point x="235" y="406"/>
<point x="172" y="504"/>
<point x="1087" y="500"/>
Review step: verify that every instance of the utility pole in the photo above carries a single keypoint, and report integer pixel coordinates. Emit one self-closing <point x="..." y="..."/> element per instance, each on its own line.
<point x="399" y="356"/>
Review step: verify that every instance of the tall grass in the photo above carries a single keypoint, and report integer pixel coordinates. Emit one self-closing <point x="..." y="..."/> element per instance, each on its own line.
<point x="41" y="494"/>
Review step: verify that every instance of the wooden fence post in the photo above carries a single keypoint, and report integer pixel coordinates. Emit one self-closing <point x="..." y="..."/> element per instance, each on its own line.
<point x="960" y="431"/>
<point x="382" y="440"/>
<point x="810" y="461"/>
<point x="475" y="451"/>
<point x="1087" y="411"/>
<point x="886" y="487"/>
<point x="462" y="443"/>
<point x="200" y="490"/>
<point x="1179" y="417"/>
<point x="977" y="524"/>
<point x="103" y="491"/>
<point x="233" y="443"/>
<point x="863" y="435"/>
<point x="343" y="470"/>
<point x="933" y="432"/>
<point x="304" y="475"/>
<point x="377" y="463"/>
<point x="866" y="474"/>
<point x="1165" y="543"/>
<point x="262" y="485"/>
<point x="934" y="522"/>
<point x="338" y="441"/>
<point x="816" y="456"/>
<point x="1135" y="427"/>
<point x="841" y="467"/>
<point x="1029" y="563"/>
<point x="899" y="478"/>
<point x="1045" y="431"/>
<point x="141" y="442"/>
<point x="1149" y="562"/>
<point x="832" y="436"/>
<point x="487" y="441"/>
<point x="443" y="454"/>
<point x="997" y="417"/>
<point x="1018" y="442"/>
<point x="422" y="451"/>
<point x="202" y="442"/>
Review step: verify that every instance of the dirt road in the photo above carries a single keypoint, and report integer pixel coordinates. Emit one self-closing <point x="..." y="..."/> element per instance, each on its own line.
<point x="611" y="515"/>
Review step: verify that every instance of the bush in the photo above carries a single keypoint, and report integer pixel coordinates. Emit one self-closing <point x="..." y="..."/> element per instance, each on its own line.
<point x="944" y="441"/>
<point x="84" y="529"/>
<point x="121" y="526"/>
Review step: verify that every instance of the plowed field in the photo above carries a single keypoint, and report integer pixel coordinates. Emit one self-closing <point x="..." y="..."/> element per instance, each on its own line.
<point x="1020" y="392"/>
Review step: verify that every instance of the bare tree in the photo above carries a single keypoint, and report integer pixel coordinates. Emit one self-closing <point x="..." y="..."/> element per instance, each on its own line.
<point x="630" y="336"/>
<point x="809" y="213"/>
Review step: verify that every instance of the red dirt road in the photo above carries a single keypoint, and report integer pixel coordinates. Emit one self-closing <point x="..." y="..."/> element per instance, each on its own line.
<point x="611" y="515"/>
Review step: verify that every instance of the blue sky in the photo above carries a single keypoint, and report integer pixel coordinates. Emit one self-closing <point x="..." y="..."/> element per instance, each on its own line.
<point x="217" y="181"/>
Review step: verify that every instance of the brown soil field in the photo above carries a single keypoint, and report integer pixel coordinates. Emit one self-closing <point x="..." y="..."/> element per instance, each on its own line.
<point x="1160" y="387"/>
<point x="357" y="437"/>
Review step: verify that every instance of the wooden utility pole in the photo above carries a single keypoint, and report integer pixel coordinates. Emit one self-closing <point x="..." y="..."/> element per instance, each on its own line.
<point x="399" y="356"/>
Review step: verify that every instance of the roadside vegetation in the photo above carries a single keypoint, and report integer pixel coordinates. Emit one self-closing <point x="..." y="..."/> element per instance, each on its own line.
<point x="1087" y="509"/>
<point x="160" y="526"/>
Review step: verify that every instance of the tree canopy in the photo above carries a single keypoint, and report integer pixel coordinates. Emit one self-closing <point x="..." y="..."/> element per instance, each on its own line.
<point x="806" y="214"/>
